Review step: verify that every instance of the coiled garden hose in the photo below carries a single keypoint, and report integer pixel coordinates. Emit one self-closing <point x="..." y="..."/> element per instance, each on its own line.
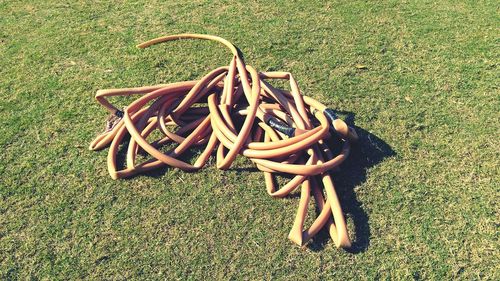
<point x="235" y="110"/>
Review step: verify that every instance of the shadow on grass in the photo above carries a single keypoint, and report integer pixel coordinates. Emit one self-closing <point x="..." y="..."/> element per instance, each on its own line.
<point x="366" y="153"/>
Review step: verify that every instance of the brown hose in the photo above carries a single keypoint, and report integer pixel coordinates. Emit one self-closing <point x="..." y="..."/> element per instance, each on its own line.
<point x="235" y="110"/>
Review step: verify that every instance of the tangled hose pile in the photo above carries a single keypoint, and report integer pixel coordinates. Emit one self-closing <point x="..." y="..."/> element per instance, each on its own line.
<point x="235" y="110"/>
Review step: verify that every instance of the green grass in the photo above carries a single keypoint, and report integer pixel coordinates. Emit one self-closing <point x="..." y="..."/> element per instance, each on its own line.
<point x="421" y="190"/>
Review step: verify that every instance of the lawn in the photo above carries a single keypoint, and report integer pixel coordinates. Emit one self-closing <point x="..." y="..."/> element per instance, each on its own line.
<point x="420" y="190"/>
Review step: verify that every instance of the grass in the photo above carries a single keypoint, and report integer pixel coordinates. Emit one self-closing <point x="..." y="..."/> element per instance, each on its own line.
<point x="420" y="191"/>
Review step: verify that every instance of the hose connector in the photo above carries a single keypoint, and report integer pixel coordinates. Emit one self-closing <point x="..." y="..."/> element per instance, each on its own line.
<point x="340" y="127"/>
<point x="280" y="126"/>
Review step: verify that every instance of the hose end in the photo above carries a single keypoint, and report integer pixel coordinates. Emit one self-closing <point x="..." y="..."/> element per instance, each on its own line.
<point x="340" y="127"/>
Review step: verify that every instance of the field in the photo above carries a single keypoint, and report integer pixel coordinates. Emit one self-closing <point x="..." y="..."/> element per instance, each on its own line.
<point x="418" y="79"/>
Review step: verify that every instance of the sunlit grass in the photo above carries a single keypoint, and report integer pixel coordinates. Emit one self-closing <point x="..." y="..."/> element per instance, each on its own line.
<point x="420" y="191"/>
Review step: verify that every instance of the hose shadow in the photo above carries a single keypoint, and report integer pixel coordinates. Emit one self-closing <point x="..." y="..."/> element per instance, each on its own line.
<point x="369" y="151"/>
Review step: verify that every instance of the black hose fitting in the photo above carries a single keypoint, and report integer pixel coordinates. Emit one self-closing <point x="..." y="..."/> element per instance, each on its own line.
<point x="280" y="126"/>
<point x="119" y="113"/>
<point x="330" y="114"/>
